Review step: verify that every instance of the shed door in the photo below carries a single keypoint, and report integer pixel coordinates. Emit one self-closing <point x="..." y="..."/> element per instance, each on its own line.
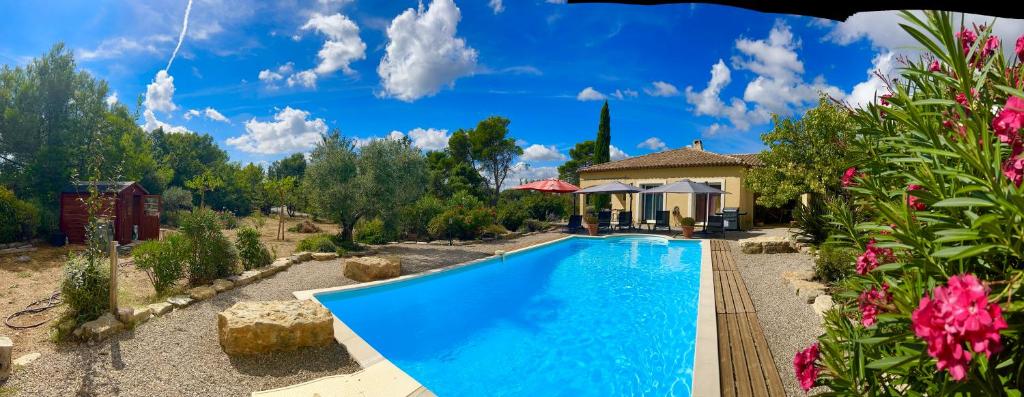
<point x="149" y="225"/>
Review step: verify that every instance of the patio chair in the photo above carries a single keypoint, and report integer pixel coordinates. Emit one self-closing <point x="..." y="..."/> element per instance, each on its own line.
<point x="625" y="220"/>
<point x="661" y="220"/>
<point x="604" y="220"/>
<point x="714" y="224"/>
<point x="575" y="224"/>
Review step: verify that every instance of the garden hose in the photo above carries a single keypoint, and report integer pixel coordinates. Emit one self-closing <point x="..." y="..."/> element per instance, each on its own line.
<point x="38" y="306"/>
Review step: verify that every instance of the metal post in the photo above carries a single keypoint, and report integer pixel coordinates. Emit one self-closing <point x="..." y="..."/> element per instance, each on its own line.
<point x="113" y="277"/>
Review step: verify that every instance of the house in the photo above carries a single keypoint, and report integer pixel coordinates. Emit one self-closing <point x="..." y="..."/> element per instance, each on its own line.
<point x="723" y="171"/>
<point x="134" y="212"/>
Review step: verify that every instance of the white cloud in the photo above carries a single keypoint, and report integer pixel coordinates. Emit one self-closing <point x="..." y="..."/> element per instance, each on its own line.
<point x="120" y="46"/>
<point x="653" y="143"/>
<point x="616" y="153"/>
<point x="537" y="152"/>
<point x="590" y="94"/>
<point x="209" y="113"/>
<point x="343" y="45"/>
<point x="497" y="6"/>
<point x="662" y="89"/>
<point x="160" y="93"/>
<point x="393" y="135"/>
<point x="423" y="55"/>
<point x="429" y="139"/>
<point x="882" y="29"/>
<point x="268" y="76"/>
<point x="152" y="123"/>
<point x="305" y="78"/>
<point x="778" y="88"/>
<point x="522" y="172"/>
<point x="111" y="99"/>
<point x="623" y="94"/>
<point x="867" y="91"/>
<point x="291" y="130"/>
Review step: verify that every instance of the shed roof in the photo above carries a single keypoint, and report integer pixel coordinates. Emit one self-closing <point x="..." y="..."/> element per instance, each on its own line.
<point x="682" y="157"/>
<point x="102" y="186"/>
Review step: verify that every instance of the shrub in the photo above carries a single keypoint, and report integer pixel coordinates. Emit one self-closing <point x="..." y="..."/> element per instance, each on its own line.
<point x="163" y="260"/>
<point x="317" y="243"/>
<point x="416" y="217"/>
<point x="305" y="227"/>
<point x="211" y="255"/>
<point x="493" y="231"/>
<point x="461" y="223"/>
<point x="937" y="182"/>
<point x="688" y="221"/>
<point x="173" y="218"/>
<point x="176" y="198"/>
<point x="86" y="287"/>
<point x="373" y="232"/>
<point x="533" y="225"/>
<point x="228" y="220"/>
<point x="834" y="264"/>
<point x="251" y="250"/>
<point x="811" y="223"/>
<point x="511" y="215"/>
<point x="21" y="218"/>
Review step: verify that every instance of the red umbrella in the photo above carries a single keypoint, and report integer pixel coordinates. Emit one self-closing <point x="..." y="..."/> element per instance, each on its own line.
<point x="550" y="186"/>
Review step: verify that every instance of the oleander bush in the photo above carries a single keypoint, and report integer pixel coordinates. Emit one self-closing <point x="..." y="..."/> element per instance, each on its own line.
<point x="533" y="225"/>
<point x="512" y="214"/>
<point x="416" y="217"/>
<point x="251" y="251"/>
<point x="163" y="260"/>
<point x="317" y="243"/>
<point x="210" y="254"/>
<point x="373" y="232"/>
<point x="935" y="304"/>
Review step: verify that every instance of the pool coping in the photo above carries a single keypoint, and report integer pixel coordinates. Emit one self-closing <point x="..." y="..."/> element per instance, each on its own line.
<point x="705" y="362"/>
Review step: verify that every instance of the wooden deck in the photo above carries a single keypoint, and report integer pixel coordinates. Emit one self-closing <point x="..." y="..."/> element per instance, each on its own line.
<point x="745" y="362"/>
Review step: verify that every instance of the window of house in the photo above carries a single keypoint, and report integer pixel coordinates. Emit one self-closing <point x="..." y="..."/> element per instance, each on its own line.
<point x="701" y="204"/>
<point x="651" y="203"/>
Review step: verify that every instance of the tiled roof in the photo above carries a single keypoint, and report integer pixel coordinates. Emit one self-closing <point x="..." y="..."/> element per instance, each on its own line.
<point x="683" y="157"/>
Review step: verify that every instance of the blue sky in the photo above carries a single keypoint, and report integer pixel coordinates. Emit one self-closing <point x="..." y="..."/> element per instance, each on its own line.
<point x="265" y="78"/>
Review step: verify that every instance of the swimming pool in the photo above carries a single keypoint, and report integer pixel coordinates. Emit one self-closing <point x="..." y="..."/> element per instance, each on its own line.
<point x="581" y="316"/>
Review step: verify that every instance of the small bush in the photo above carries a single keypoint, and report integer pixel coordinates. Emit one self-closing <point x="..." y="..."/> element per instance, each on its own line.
<point x="493" y="231"/>
<point x="86" y="287"/>
<point x="251" y="250"/>
<point x="305" y="227"/>
<point x="688" y="221"/>
<point x="317" y="243"/>
<point x="211" y="255"/>
<point x="834" y="264"/>
<point x="173" y="218"/>
<point x="164" y="260"/>
<point x="416" y="217"/>
<point x="176" y="198"/>
<point x="811" y="222"/>
<point x="458" y="222"/>
<point x="373" y="232"/>
<point x="533" y="225"/>
<point x="21" y="218"/>
<point x="227" y="219"/>
<point x="511" y="215"/>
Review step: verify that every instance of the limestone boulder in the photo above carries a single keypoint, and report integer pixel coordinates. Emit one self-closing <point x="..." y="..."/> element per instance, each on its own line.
<point x="258" y="327"/>
<point x="135" y="315"/>
<point x="768" y="245"/>
<point x="372" y="268"/>
<point x="303" y="256"/>
<point x="751" y="247"/>
<point x="283" y="262"/>
<point x="99" y="329"/>
<point x="221" y="285"/>
<point x="247" y="277"/>
<point x="180" y="300"/>
<point x="6" y="352"/>
<point x="202" y="293"/>
<point x="161" y="308"/>
<point x="808" y="290"/>
<point x="822" y="304"/>
<point x="27" y="359"/>
<point x="324" y="256"/>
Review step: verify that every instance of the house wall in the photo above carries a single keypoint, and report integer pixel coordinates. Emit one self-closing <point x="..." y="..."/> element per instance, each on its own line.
<point x="731" y="178"/>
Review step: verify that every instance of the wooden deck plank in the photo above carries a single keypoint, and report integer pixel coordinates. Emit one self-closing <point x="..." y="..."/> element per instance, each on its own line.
<point x="727" y="293"/>
<point x="764" y="354"/>
<point x="758" y="386"/>
<point x="728" y="384"/>
<point x="737" y="289"/>
<point x="745" y="295"/>
<point x="719" y="296"/>
<point x="740" y="374"/>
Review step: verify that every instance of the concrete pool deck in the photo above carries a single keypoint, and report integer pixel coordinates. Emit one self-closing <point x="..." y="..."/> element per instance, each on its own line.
<point x="377" y="369"/>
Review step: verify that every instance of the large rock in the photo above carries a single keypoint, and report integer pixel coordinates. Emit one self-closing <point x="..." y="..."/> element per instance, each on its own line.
<point x="767" y="245"/>
<point x="247" y="277"/>
<point x="99" y="329"/>
<point x="161" y="308"/>
<point x="751" y="247"/>
<point x="283" y="263"/>
<point x="6" y="352"/>
<point x="303" y="256"/>
<point x="180" y="301"/>
<point x="258" y="327"/>
<point x="26" y="359"/>
<point x="808" y="290"/>
<point x="371" y="268"/>
<point x="135" y="315"/>
<point x="822" y="304"/>
<point x="324" y="256"/>
<point x="221" y="285"/>
<point x="202" y="293"/>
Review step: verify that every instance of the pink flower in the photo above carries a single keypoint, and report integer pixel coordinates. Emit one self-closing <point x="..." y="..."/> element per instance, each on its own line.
<point x="967" y="38"/>
<point x="958" y="317"/>
<point x="1020" y="48"/>
<point x="1009" y="120"/>
<point x="1013" y="168"/>
<point x="991" y="45"/>
<point x="914" y="201"/>
<point x="884" y="99"/>
<point x="805" y="368"/>
<point x="869" y="301"/>
<point x="935" y="66"/>
<point x="848" y="176"/>
<point x="868" y="261"/>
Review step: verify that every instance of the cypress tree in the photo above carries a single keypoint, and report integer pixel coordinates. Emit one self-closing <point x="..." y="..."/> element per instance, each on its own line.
<point x="602" y="152"/>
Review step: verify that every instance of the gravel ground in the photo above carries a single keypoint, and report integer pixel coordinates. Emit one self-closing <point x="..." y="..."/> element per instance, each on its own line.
<point x="179" y="355"/>
<point x="790" y="325"/>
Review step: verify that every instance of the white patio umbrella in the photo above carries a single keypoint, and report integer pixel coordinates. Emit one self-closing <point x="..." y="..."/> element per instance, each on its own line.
<point x="688" y="186"/>
<point x="612" y="188"/>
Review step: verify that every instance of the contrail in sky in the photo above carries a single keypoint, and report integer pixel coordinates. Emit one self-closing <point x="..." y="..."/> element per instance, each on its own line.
<point x="181" y="37"/>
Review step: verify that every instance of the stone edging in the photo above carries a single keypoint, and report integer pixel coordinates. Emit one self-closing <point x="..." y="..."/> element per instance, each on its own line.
<point x="107" y="325"/>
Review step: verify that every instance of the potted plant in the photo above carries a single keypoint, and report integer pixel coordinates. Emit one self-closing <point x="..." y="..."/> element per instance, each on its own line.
<point x="687" y="226"/>
<point x="591" y="220"/>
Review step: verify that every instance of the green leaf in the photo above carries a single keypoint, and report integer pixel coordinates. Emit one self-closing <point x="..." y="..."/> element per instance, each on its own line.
<point x="872" y="341"/>
<point x="962" y="251"/>
<point x="964" y="202"/>
<point x="888" y="267"/>
<point x="889" y="362"/>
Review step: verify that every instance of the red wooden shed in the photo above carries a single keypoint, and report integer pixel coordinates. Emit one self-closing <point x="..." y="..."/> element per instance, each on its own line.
<point x="134" y="212"/>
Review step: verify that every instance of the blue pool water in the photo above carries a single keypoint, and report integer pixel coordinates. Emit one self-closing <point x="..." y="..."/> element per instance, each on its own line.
<point x="580" y="317"/>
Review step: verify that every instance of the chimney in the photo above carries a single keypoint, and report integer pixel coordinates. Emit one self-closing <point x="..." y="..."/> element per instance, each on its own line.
<point x="698" y="145"/>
